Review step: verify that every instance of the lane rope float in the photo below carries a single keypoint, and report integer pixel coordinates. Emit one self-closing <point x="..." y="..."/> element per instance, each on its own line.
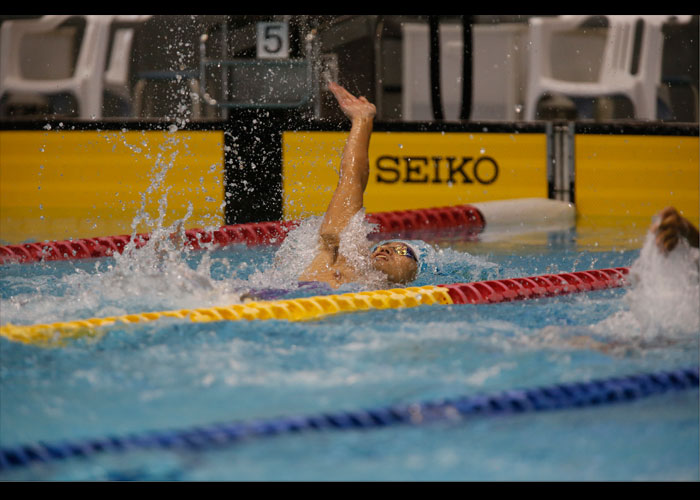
<point x="576" y="395"/>
<point x="467" y="217"/>
<point x="304" y="309"/>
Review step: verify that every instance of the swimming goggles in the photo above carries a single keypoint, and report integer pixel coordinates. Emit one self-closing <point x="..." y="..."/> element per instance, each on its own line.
<point x="403" y="249"/>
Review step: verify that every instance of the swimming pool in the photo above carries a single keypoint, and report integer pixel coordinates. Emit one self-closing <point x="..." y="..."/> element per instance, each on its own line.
<point x="171" y="374"/>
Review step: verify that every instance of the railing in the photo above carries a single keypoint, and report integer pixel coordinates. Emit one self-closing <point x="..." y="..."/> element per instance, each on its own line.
<point x="300" y="76"/>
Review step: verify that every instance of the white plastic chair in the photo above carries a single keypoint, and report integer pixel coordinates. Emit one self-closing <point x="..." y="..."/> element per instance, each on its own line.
<point x="615" y="76"/>
<point x="116" y="75"/>
<point x="86" y="82"/>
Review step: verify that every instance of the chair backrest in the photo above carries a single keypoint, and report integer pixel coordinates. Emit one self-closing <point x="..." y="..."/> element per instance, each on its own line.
<point x="12" y="35"/>
<point x="634" y="48"/>
<point x="90" y="55"/>
<point x="93" y="50"/>
<point x="117" y="72"/>
<point x="619" y="48"/>
<point x="88" y="77"/>
<point x="630" y="39"/>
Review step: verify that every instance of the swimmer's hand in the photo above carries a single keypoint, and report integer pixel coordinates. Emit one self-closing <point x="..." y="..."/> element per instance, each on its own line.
<point x="355" y="108"/>
<point x="178" y="236"/>
<point x="670" y="227"/>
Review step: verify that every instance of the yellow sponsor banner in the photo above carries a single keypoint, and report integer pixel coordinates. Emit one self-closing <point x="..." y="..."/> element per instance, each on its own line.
<point x="58" y="184"/>
<point x="410" y="170"/>
<point x="636" y="175"/>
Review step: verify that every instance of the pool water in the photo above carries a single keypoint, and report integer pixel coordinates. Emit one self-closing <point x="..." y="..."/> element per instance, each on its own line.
<point x="173" y="374"/>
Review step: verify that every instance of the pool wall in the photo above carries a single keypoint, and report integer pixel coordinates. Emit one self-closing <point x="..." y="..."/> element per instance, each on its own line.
<point x="58" y="183"/>
<point x="635" y="170"/>
<point x="416" y="169"/>
<point x="72" y="179"/>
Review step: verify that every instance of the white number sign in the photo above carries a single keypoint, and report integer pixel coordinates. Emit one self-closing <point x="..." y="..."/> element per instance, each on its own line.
<point x="273" y="40"/>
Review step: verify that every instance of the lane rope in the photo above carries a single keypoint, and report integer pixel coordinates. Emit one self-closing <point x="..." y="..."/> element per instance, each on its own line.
<point x="304" y="309"/>
<point x="466" y="217"/>
<point x="563" y="396"/>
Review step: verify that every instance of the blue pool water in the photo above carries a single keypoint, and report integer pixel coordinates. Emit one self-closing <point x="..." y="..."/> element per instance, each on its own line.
<point x="172" y="374"/>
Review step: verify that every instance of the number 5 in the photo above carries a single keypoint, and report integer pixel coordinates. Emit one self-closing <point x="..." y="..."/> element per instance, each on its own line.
<point x="273" y="41"/>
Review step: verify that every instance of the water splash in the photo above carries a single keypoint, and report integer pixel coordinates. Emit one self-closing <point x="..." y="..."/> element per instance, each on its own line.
<point x="301" y="246"/>
<point x="159" y="276"/>
<point x="445" y="265"/>
<point x="662" y="302"/>
<point x="659" y="309"/>
<point x="165" y="274"/>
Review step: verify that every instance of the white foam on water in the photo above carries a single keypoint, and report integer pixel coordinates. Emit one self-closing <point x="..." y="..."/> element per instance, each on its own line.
<point x="461" y="267"/>
<point x="293" y="256"/>
<point x="157" y="276"/>
<point x="152" y="278"/>
<point x="301" y="245"/>
<point x="355" y="246"/>
<point x="660" y="308"/>
<point x="663" y="301"/>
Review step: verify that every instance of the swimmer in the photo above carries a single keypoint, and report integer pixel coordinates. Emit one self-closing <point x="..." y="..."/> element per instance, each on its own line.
<point x="670" y="227"/>
<point x="398" y="260"/>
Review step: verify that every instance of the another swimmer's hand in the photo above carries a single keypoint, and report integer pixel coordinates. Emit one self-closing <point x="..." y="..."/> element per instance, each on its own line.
<point x="354" y="108"/>
<point x="670" y="227"/>
<point x="178" y="236"/>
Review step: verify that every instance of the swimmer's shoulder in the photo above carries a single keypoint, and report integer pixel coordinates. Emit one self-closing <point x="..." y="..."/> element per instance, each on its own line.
<point x="335" y="275"/>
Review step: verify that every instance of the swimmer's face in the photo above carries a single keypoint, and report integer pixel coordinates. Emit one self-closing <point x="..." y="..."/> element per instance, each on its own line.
<point x="396" y="260"/>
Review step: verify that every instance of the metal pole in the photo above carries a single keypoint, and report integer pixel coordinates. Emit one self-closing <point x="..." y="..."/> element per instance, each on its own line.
<point x="435" y="84"/>
<point x="467" y="43"/>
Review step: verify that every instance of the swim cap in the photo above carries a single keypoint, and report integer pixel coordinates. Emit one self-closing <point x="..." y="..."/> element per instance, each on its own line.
<point x="419" y="247"/>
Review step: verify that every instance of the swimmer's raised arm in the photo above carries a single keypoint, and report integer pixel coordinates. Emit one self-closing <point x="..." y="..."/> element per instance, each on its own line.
<point x="328" y="265"/>
<point x="348" y="197"/>
<point x="672" y="226"/>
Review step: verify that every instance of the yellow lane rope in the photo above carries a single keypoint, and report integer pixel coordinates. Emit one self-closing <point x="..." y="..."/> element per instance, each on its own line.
<point x="301" y="309"/>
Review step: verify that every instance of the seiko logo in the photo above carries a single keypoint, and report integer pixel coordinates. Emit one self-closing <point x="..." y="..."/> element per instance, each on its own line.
<point x="436" y="169"/>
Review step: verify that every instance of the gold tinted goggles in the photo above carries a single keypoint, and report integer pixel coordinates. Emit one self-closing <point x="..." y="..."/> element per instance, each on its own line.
<point x="402" y="250"/>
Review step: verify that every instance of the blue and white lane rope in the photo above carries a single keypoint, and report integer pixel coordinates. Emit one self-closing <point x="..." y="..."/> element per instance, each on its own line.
<point x="556" y="397"/>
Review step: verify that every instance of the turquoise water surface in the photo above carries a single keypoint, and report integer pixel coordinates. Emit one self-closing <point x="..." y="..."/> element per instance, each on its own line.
<point x="173" y="374"/>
